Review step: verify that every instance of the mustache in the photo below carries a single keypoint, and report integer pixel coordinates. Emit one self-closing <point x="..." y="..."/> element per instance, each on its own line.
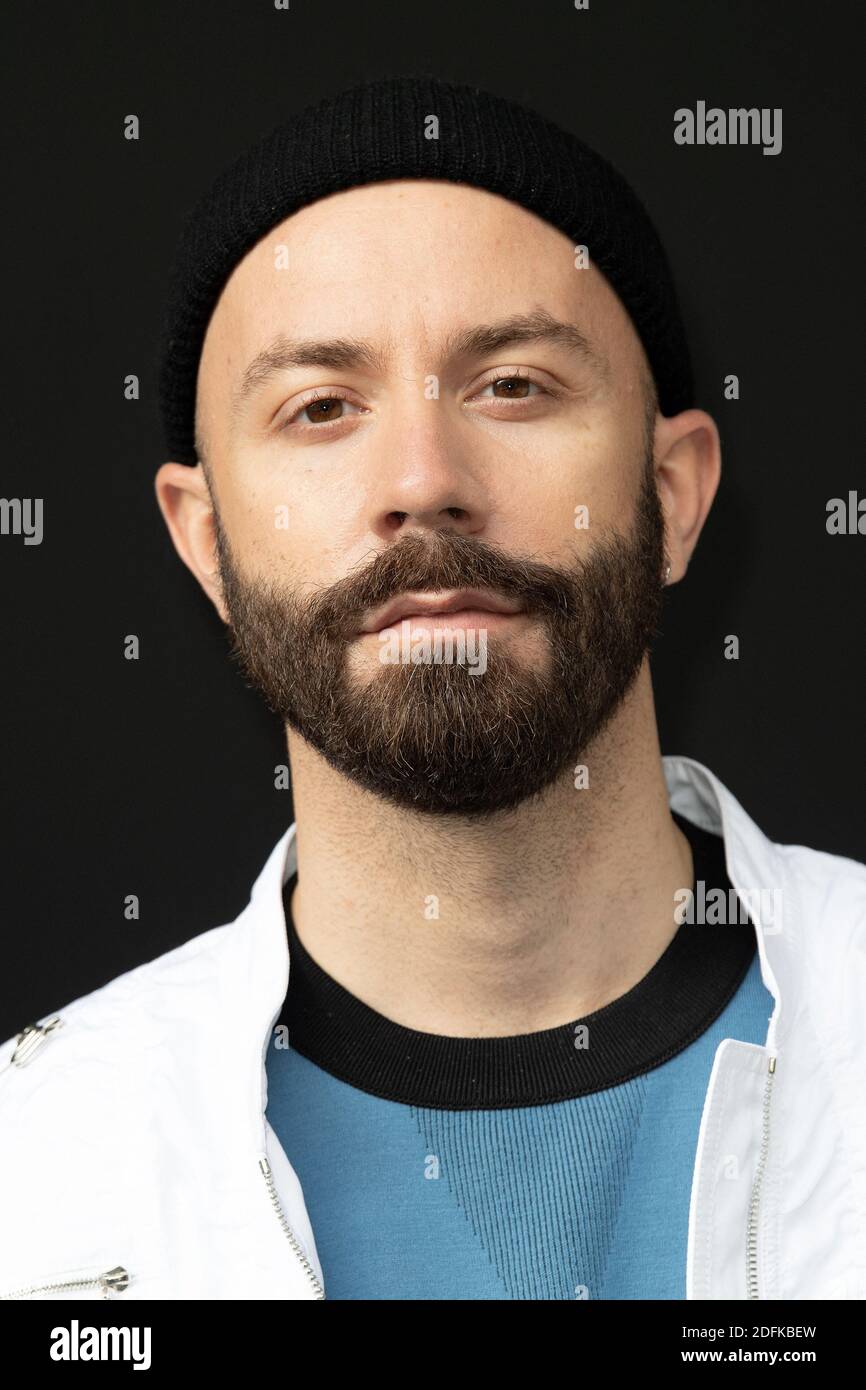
<point x="445" y="560"/>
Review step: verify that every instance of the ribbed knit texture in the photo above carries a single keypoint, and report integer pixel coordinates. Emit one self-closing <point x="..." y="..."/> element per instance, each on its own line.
<point x="376" y="131"/>
<point x="673" y="1004"/>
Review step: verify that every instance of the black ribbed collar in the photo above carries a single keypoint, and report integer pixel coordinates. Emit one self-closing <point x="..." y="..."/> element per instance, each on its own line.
<point x="673" y="1004"/>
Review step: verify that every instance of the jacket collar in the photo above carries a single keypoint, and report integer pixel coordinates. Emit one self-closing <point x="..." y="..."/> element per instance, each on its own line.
<point x="756" y="868"/>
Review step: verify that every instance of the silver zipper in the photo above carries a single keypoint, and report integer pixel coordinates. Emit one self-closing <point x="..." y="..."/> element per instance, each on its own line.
<point x="265" y="1169"/>
<point x="112" y="1281"/>
<point x="754" y="1205"/>
<point x="29" y="1041"/>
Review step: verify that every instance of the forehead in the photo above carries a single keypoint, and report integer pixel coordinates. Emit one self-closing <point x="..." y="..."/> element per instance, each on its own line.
<point x="404" y="263"/>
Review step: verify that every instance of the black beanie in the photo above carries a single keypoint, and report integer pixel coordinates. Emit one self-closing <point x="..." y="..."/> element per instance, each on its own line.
<point x="377" y="131"/>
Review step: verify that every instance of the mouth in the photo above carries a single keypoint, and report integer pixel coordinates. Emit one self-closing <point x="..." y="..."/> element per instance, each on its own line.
<point x="455" y="608"/>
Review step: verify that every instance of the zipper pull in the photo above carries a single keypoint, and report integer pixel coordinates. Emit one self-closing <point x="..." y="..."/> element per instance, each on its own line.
<point x="114" y="1281"/>
<point x="30" y="1039"/>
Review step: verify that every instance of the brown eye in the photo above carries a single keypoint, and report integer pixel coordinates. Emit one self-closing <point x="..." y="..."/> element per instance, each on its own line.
<point x="513" y="386"/>
<point x="317" y="412"/>
<point x="322" y="411"/>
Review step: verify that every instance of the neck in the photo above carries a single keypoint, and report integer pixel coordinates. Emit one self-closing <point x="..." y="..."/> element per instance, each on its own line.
<point x="519" y="923"/>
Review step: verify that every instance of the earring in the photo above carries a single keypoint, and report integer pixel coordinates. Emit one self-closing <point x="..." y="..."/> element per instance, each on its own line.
<point x="667" y="573"/>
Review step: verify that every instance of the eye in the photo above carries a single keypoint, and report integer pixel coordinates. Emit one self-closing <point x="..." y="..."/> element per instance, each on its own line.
<point x="318" y="410"/>
<point x="513" y="386"/>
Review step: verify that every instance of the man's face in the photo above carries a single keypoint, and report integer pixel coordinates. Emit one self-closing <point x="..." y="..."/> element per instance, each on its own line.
<point x="380" y="450"/>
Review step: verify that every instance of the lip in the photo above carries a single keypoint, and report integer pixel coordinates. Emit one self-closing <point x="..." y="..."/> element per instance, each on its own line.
<point x="466" y="602"/>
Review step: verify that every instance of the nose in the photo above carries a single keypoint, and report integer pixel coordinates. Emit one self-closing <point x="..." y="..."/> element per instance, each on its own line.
<point x="428" y="475"/>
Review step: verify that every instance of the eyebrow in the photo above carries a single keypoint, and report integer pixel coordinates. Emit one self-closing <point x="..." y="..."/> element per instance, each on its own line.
<point x="477" y="341"/>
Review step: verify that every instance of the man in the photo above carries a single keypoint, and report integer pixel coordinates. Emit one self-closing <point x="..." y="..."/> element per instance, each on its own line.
<point x="561" y="1021"/>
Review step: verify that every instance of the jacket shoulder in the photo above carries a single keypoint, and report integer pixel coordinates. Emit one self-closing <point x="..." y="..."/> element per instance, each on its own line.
<point x="93" y="1112"/>
<point x="833" y="881"/>
<point x="112" y="1007"/>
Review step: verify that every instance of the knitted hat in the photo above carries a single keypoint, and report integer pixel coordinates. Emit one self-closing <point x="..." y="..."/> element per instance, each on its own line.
<point x="379" y="130"/>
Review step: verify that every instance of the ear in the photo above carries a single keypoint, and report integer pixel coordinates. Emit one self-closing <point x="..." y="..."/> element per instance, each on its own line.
<point x="688" y="465"/>
<point x="185" y="502"/>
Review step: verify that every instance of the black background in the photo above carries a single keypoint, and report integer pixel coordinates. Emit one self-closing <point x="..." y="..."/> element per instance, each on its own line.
<point x="156" y="777"/>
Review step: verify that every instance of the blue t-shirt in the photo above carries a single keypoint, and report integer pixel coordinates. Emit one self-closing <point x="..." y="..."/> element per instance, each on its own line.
<point x="552" y="1165"/>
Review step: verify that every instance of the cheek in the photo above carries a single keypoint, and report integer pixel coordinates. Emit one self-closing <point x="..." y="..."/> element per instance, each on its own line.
<point x="567" y="490"/>
<point x="264" y="532"/>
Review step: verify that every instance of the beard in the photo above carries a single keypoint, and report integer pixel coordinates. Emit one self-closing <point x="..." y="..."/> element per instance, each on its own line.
<point x="437" y="738"/>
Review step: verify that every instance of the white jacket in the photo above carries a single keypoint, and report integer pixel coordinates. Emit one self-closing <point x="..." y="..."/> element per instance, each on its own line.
<point x="136" y="1161"/>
